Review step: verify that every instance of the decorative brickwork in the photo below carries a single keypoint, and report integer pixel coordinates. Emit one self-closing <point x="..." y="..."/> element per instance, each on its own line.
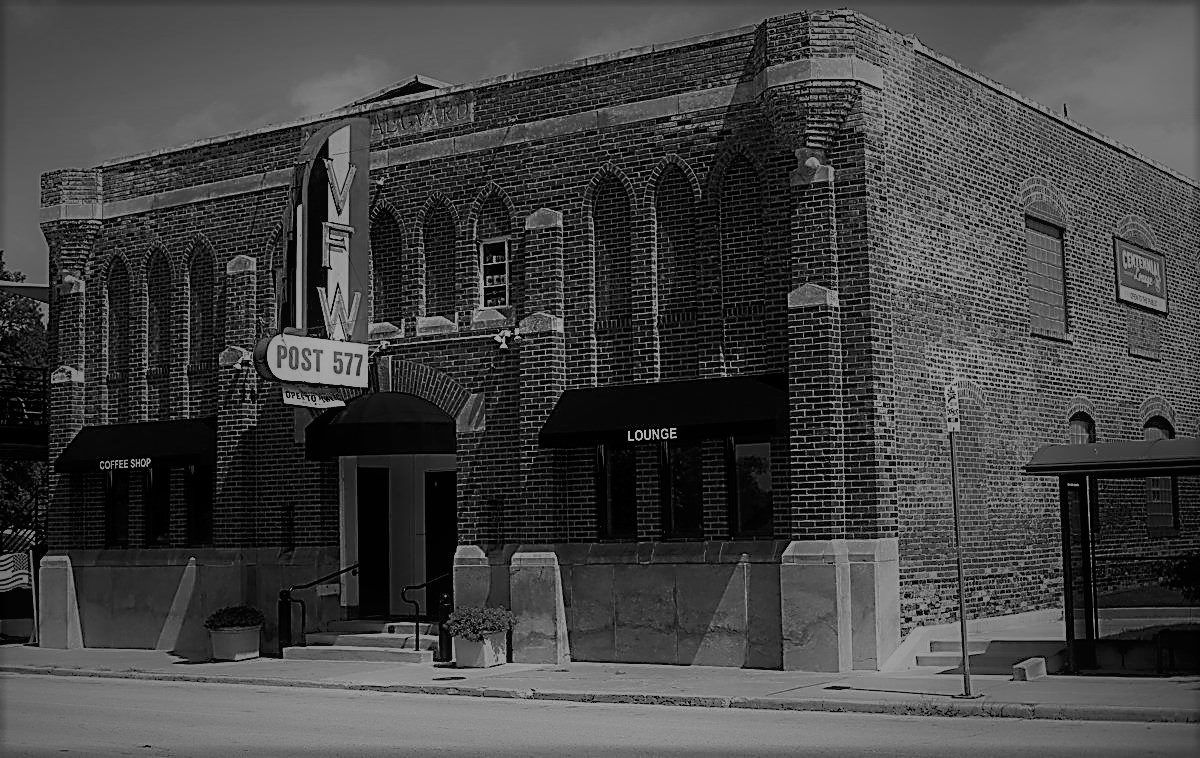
<point x="817" y="196"/>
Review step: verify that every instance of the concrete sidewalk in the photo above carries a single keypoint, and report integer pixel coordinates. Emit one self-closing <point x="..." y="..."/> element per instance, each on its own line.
<point x="1174" y="699"/>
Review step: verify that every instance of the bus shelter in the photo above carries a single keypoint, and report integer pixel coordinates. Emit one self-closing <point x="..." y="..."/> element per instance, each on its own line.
<point x="1080" y="468"/>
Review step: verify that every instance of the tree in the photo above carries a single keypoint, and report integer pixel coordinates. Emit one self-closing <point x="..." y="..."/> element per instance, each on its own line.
<point x="23" y="345"/>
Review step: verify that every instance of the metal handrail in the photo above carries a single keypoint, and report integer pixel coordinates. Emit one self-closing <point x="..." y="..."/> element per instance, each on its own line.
<point x="417" y="618"/>
<point x="284" y="606"/>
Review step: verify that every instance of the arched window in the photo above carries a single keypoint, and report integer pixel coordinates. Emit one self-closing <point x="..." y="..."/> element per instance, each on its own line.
<point x="387" y="267"/>
<point x="202" y="357"/>
<point x="440" y="269"/>
<point x="678" y="275"/>
<point x="612" y="236"/>
<point x="1162" y="504"/>
<point x="159" y="337"/>
<point x="117" y="380"/>
<point x="1082" y="429"/>
<point x="743" y="276"/>
<point x="497" y="262"/>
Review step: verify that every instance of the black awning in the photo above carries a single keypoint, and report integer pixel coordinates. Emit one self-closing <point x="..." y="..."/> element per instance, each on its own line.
<point x="173" y="443"/>
<point x="1179" y="456"/>
<point x="385" y="423"/>
<point x="694" y="408"/>
<point x="25" y="442"/>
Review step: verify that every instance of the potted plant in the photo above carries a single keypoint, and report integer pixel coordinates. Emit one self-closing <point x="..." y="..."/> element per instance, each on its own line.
<point x="480" y="636"/>
<point x="234" y="631"/>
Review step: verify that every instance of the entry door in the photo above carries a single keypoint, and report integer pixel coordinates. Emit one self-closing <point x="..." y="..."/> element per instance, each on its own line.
<point x="441" y="533"/>
<point x="374" y="554"/>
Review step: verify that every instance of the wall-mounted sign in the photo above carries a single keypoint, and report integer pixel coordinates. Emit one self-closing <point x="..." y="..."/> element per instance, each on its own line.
<point x="111" y="464"/>
<point x="321" y="398"/>
<point x="953" y="414"/>
<point x="323" y="284"/>
<point x="1141" y="276"/>
<point x="660" y="434"/>
<point x="423" y="116"/>
<point x="308" y="360"/>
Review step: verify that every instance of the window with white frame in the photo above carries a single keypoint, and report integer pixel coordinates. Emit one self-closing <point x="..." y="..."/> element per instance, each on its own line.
<point x="494" y="272"/>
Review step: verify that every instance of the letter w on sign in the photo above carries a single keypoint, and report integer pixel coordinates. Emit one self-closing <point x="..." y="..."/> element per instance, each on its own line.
<point x="15" y="572"/>
<point x="338" y="323"/>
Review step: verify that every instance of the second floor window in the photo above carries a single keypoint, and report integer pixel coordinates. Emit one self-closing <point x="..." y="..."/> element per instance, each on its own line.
<point x="1047" y="284"/>
<point x="494" y="269"/>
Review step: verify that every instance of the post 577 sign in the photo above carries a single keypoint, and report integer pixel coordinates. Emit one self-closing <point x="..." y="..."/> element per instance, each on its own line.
<point x="307" y="360"/>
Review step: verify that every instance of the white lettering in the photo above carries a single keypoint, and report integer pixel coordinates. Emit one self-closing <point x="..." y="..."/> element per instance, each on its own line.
<point x="652" y="435"/>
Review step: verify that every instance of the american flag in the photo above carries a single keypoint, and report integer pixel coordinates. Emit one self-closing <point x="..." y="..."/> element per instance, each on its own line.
<point x="14" y="571"/>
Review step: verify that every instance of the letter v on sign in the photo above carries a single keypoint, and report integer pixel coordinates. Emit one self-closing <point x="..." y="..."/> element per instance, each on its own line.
<point x="339" y="191"/>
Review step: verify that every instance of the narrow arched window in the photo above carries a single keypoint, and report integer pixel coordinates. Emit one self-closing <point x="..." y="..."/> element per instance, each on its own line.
<point x="678" y="275"/>
<point x="202" y="357"/>
<point x="117" y="379"/>
<point x="387" y="255"/>
<point x="440" y="269"/>
<point x="1162" y="502"/>
<point x="159" y="337"/>
<point x="497" y="265"/>
<point x="612" y="236"/>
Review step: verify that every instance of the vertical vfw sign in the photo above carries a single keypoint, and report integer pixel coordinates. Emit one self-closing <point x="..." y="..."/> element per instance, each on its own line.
<point x="324" y="289"/>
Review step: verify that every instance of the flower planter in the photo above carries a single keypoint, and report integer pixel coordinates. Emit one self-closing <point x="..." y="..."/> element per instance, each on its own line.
<point x="481" y="654"/>
<point x="235" y="644"/>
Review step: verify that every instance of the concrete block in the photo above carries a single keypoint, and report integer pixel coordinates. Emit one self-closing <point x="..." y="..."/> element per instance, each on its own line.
<point x="535" y="592"/>
<point x="711" y="612"/>
<point x="814" y="589"/>
<point x="592" y="619"/>
<point x="1029" y="670"/>
<point x="472" y="576"/>
<point x="874" y="601"/>
<point x="645" y="613"/>
<point x="58" y="609"/>
<point x="435" y="325"/>
<point x="544" y="218"/>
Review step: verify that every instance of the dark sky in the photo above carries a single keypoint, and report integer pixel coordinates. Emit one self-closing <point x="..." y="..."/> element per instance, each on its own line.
<point x="84" y="83"/>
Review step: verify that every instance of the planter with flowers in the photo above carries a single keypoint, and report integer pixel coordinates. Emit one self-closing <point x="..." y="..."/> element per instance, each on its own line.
<point x="235" y="632"/>
<point x="480" y="636"/>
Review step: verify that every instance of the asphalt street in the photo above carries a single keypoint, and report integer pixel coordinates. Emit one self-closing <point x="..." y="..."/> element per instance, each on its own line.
<point x="54" y="715"/>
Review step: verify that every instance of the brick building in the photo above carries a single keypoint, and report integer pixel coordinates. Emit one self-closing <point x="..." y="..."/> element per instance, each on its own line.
<point x="675" y="320"/>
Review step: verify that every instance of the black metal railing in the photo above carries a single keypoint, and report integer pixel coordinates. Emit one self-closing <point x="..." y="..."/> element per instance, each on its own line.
<point x="23" y="395"/>
<point x="284" y="608"/>
<point x="417" y="613"/>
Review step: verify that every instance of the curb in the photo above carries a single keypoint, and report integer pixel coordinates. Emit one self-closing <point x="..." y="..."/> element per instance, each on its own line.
<point x="917" y="707"/>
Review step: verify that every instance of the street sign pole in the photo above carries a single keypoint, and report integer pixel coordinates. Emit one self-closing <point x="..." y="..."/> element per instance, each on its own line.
<point x="954" y="424"/>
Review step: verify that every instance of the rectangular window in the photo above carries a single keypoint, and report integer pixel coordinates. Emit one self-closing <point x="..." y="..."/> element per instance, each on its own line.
<point x="158" y="506"/>
<point x="116" y="509"/>
<point x="680" y="490"/>
<point x="616" y="492"/>
<point x="493" y="267"/>
<point x="1162" y="504"/>
<point x="198" y="489"/>
<point x="1047" y="283"/>
<point x="750" y="508"/>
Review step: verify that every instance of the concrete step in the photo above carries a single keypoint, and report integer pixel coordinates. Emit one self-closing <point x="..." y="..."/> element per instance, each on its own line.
<point x="390" y="626"/>
<point x="357" y="653"/>
<point x="999" y="657"/>
<point x="373" y="639"/>
<point x="955" y="646"/>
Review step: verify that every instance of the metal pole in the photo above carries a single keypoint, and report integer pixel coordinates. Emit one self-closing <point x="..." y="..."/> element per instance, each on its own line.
<point x="962" y="604"/>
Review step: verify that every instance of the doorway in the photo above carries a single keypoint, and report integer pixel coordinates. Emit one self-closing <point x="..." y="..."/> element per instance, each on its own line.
<point x="374" y="548"/>
<point x="441" y="534"/>
<point x="399" y="524"/>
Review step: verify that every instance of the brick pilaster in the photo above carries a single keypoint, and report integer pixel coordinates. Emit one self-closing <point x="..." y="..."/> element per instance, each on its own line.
<point x="71" y="224"/>
<point x="817" y="502"/>
<point x="233" y="510"/>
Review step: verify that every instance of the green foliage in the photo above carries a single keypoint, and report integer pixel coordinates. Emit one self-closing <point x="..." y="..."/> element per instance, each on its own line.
<point x="1183" y="574"/>
<point x="475" y="623"/>
<point x="22" y="333"/>
<point x="22" y="483"/>
<point x="233" y="616"/>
